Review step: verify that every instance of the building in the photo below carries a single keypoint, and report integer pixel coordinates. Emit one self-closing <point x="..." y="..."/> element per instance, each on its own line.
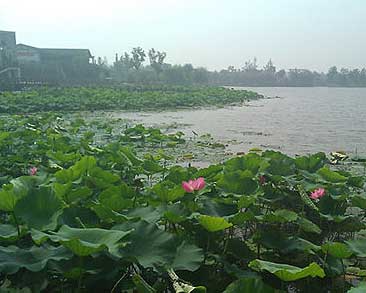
<point x="28" y="54"/>
<point x="45" y="64"/>
<point x="9" y="72"/>
<point x="7" y="39"/>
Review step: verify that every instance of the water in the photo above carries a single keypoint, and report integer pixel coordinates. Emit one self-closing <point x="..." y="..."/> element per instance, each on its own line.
<point x="303" y="120"/>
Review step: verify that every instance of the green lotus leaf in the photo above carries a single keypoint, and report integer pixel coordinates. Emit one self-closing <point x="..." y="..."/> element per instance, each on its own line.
<point x="148" y="214"/>
<point x="108" y="215"/>
<point x="187" y="257"/>
<point x="8" y="232"/>
<point x="311" y="163"/>
<point x="356" y="181"/>
<point x="214" y="224"/>
<point x="279" y="216"/>
<point x="34" y="259"/>
<point x="40" y="209"/>
<point x="279" y="164"/>
<point x="252" y="162"/>
<point x="78" y="217"/>
<point x="141" y="285"/>
<point x="102" y="178"/>
<point x="249" y="285"/>
<point x="308" y="226"/>
<point x="88" y="241"/>
<point x="168" y="191"/>
<point x="73" y="173"/>
<point x="180" y="286"/>
<point x="358" y="246"/>
<point x="337" y="249"/>
<point x="361" y="288"/>
<point x="8" y="198"/>
<point x="331" y="176"/>
<point x="242" y="217"/>
<point x="359" y="200"/>
<point x="286" y="272"/>
<point x="239" y="182"/>
<point x="117" y="198"/>
<point x="153" y="247"/>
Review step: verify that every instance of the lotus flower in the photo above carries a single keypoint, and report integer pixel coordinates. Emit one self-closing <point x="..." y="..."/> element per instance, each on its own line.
<point x="193" y="185"/>
<point x="262" y="180"/>
<point x="317" y="193"/>
<point x="33" y="171"/>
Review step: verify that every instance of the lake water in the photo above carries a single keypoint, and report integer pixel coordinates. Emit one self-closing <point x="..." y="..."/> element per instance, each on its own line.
<point x="303" y="120"/>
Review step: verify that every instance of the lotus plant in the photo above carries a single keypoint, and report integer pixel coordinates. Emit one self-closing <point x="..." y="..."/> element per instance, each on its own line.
<point x="33" y="171"/>
<point x="193" y="185"/>
<point x="317" y="193"/>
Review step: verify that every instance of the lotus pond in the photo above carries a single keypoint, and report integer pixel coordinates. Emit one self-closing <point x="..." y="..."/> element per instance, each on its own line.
<point x="98" y="206"/>
<point x="125" y="97"/>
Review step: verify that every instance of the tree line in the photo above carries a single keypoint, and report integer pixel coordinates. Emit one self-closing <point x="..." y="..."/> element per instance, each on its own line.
<point x="139" y="66"/>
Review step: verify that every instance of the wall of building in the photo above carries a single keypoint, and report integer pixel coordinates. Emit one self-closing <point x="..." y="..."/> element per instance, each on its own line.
<point x="27" y="54"/>
<point x="7" y="39"/>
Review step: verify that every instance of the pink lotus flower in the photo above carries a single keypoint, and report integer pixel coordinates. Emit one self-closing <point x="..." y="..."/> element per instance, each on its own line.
<point x="33" y="171"/>
<point x="317" y="193"/>
<point x="262" y="180"/>
<point x="193" y="185"/>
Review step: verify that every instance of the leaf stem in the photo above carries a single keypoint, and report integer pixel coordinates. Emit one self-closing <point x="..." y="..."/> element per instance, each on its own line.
<point x="16" y="223"/>
<point x="119" y="281"/>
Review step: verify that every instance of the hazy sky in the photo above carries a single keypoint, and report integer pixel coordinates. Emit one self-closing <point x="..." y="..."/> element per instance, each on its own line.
<point x="312" y="34"/>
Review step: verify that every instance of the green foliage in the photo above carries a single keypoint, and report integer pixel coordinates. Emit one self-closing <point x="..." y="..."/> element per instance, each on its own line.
<point x="122" y="98"/>
<point x="249" y="285"/>
<point x="98" y="216"/>
<point x="214" y="224"/>
<point x="287" y="272"/>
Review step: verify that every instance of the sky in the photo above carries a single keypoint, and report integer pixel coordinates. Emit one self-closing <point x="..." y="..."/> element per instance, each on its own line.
<point x="312" y="34"/>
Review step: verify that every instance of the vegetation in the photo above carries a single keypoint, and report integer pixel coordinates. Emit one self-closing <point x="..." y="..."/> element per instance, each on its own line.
<point x="82" y="216"/>
<point x="150" y="67"/>
<point x="250" y="74"/>
<point x="121" y="98"/>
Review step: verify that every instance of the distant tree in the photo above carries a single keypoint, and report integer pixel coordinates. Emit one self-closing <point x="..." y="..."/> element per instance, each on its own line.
<point x="332" y="75"/>
<point x="250" y="65"/>
<point x="231" y="68"/>
<point x="156" y="59"/>
<point x="269" y="67"/>
<point x="126" y="61"/>
<point x="138" y="57"/>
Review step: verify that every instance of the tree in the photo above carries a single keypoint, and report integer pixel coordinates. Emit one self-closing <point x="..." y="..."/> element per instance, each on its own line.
<point x="270" y="67"/>
<point x="138" y="57"/>
<point x="156" y="59"/>
<point x="251" y="65"/>
<point x="126" y="61"/>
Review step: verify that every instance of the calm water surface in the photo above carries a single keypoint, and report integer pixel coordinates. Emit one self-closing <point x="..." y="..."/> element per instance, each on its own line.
<point x="303" y="120"/>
